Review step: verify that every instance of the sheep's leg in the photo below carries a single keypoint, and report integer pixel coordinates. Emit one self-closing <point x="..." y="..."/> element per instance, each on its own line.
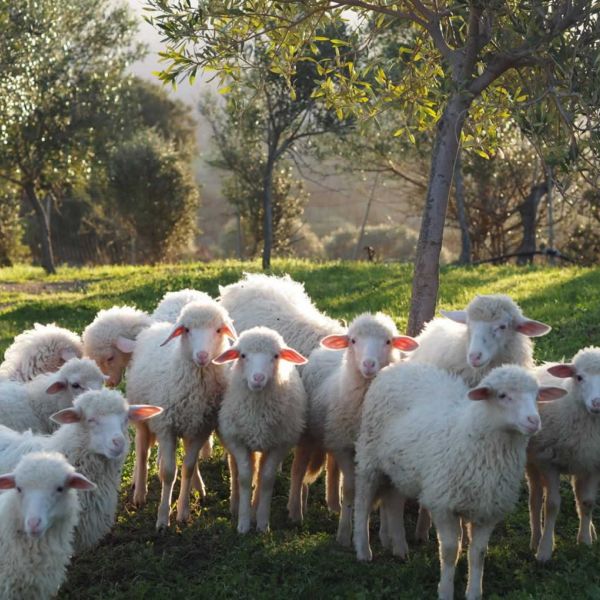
<point x="332" y="484"/>
<point x="393" y="502"/>
<point x="423" y="525"/>
<point x="367" y="481"/>
<point x="536" y="497"/>
<point x="207" y="447"/>
<point x="269" y="466"/>
<point x="245" y="471"/>
<point x="190" y="464"/>
<point x="551" y="508"/>
<point x="345" y="460"/>
<point x="585" y="488"/>
<point x="448" y="532"/>
<point x="167" y="473"/>
<point x="234" y="496"/>
<point x="479" y="536"/>
<point x="140" y="469"/>
<point x="299" y="465"/>
<point x="257" y="458"/>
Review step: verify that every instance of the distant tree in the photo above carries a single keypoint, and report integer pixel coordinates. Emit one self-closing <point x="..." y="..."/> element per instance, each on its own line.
<point x="61" y="65"/>
<point x="11" y="226"/>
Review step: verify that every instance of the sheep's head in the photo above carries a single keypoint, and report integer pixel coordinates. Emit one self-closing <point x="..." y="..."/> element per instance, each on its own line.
<point x="203" y="329"/>
<point x="103" y="416"/>
<point x="261" y="355"/>
<point x="76" y="376"/>
<point x="45" y="485"/>
<point x="511" y="394"/>
<point x="584" y="372"/>
<point x="492" y="323"/>
<point x="371" y="343"/>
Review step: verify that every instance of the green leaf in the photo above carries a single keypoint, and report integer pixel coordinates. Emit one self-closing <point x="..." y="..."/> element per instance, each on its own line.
<point x="225" y="90"/>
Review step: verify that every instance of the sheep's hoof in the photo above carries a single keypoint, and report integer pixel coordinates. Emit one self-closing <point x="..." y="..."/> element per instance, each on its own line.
<point x="543" y="556"/>
<point x="243" y="528"/>
<point x="344" y="539"/>
<point x="334" y="507"/>
<point x="162" y="527"/>
<point x="139" y="500"/>
<point x="183" y="516"/>
<point x="364" y="555"/>
<point x="401" y="552"/>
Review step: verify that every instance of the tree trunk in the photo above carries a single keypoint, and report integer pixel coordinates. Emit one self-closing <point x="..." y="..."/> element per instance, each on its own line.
<point x="361" y="235"/>
<point x="528" y="210"/>
<point x="426" y="274"/>
<point x="268" y="214"/>
<point x="43" y="218"/>
<point x="549" y="200"/>
<point x="461" y="212"/>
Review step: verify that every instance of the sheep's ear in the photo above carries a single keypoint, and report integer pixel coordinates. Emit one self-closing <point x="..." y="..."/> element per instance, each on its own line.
<point x="77" y="481"/>
<point x="547" y="393"/>
<point x="292" y="356"/>
<point x="480" y="393"/>
<point x="229" y="330"/>
<point x="227" y="356"/>
<point x="532" y="328"/>
<point x="141" y="412"/>
<point x="335" y="342"/>
<point x="67" y="354"/>
<point x="562" y="371"/>
<point x="57" y="386"/>
<point x="7" y="482"/>
<point x="180" y="330"/>
<point x="404" y="342"/>
<point x="125" y="345"/>
<point x="66" y="416"/>
<point x="460" y="316"/>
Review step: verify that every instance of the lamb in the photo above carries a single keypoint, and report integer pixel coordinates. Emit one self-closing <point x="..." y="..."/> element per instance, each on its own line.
<point x="263" y="412"/>
<point x="30" y="405"/>
<point x="461" y="452"/>
<point x="43" y="349"/>
<point x="93" y="436"/>
<point x="178" y="375"/>
<point x="110" y="339"/>
<point x="39" y="510"/>
<point x="335" y="402"/>
<point x="569" y="443"/>
<point x="172" y="303"/>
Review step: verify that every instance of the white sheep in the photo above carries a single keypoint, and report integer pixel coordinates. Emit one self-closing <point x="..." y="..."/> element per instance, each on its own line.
<point x="95" y="440"/>
<point x="263" y="412"/>
<point x="29" y="405"/>
<point x="42" y="349"/>
<point x="172" y="303"/>
<point x="461" y="452"/>
<point x="110" y="339"/>
<point x="569" y="444"/>
<point x="336" y="395"/>
<point x="178" y="375"/>
<point x="39" y="510"/>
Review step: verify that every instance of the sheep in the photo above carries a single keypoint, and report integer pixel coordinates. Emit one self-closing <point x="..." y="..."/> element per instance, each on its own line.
<point x="39" y="509"/>
<point x="371" y="343"/>
<point x="42" y="349"/>
<point x="110" y="339"/>
<point x="263" y="412"/>
<point x="569" y="443"/>
<point x="461" y="452"/>
<point x="170" y="306"/>
<point x="30" y="405"/>
<point x="179" y="376"/>
<point x="94" y="438"/>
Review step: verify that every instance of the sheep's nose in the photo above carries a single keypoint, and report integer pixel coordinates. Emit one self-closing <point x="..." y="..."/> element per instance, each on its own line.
<point x="475" y="358"/>
<point x="202" y="357"/>
<point x="258" y="377"/>
<point x="118" y="443"/>
<point x="33" y="523"/>
<point x="369" y="363"/>
<point x="534" y="420"/>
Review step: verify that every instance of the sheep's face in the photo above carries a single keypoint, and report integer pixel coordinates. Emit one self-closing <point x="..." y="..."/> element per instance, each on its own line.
<point x="585" y="384"/>
<point x="77" y="376"/>
<point x="108" y="434"/>
<point x="114" y="361"/>
<point x="489" y="338"/>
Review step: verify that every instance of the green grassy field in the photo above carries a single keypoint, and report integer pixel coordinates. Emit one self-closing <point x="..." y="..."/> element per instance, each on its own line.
<point x="207" y="558"/>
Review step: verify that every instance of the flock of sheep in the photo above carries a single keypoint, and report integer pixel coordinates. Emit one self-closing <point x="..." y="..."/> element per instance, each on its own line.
<point x="452" y="418"/>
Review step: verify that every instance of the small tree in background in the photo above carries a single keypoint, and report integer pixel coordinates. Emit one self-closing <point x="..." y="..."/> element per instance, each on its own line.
<point x="11" y="227"/>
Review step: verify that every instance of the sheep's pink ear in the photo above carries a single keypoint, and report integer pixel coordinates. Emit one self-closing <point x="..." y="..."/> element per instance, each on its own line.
<point x="77" y="481"/>
<point x="229" y="330"/>
<point x="66" y="416"/>
<point x="57" y="386"/>
<point x="175" y="333"/>
<point x="562" y="371"/>
<point x="547" y="393"/>
<point x="141" y="412"/>
<point x="480" y="393"/>
<point x="125" y="345"/>
<point x="460" y="316"/>
<point x="335" y="342"/>
<point x="67" y="354"/>
<point x="227" y="356"/>
<point x="532" y="328"/>
<point x="292" y="356"/>
<point x="404" y="342"/>
<point x="7" y="482"/>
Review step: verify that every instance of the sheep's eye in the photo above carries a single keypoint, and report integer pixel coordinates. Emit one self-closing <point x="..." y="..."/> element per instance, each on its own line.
<point x="502" y="327"/>
<point x="388" y="342"/>
<point x="579" y="378"/>
<point x="276" y="356"/>
<point x="60" y="488"/>
<point x="75" y="386"/>
<point x="92" y="420"/>
<point x="186" y="329"/>
<point x="110" y="359"/>
<point x="219" y="330"/>
<point x="19" y="490"/>
<point x="353" y="341"/>
<point x="502" y="395"/>
<point x="242" y="356"/>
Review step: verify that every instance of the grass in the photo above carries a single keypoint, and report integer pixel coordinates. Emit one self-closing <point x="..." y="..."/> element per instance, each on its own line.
<point x="206" y="557"/>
